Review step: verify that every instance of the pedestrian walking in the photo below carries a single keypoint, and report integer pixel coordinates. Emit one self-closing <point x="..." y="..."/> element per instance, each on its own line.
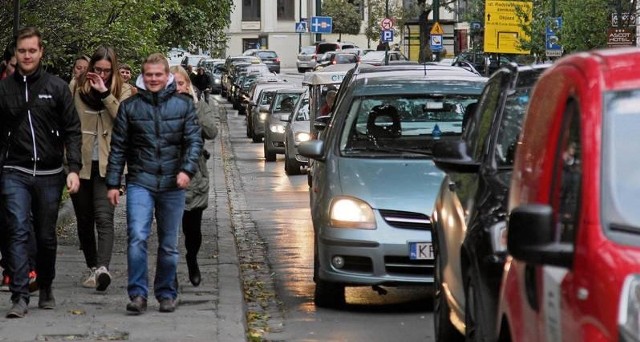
<point x="39" y="126"/>
<point x="126" y="72"/>
<point x="197" y="196"/>
<point x="97" y="95"/>
<point x="10" y="67"/>
<point x="202" y="83"/>
<point x="80" y="66"/>
<point x="156" y="134"/>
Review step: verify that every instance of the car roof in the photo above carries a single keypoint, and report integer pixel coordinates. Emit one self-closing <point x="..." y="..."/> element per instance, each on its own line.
<point x="295" y="90"/>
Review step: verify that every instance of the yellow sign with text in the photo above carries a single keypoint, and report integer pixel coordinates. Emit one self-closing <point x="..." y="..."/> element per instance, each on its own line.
<point x="503" y="26"/>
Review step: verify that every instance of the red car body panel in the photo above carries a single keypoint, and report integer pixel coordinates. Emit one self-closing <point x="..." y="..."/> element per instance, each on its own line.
<point x="566" y="312"/>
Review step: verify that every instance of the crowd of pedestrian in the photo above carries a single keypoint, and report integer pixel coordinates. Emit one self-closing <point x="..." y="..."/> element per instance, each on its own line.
<point x="87" y="136"/>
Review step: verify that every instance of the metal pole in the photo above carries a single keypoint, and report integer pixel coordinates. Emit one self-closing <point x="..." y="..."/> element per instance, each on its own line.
<point x="436" y="18"/>
<point x="300" y="34"/>
<point x="318" y="13"/>
<point x="386" y="45"/>
<point x="553" y="8"/>
<point x="16" y="17"/>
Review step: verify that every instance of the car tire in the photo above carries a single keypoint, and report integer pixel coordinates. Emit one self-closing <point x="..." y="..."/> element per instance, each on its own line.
<point x="301" y="70"/>
<point x="291" y="166"/>
<point x="444" y="329"/>
<point x="248" y="129"/>
<point x="256" y="138"/>
<point x="329" y="295"/>
<point x="268" y="155"/>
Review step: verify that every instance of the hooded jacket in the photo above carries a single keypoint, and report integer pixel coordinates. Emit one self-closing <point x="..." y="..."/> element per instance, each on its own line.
<point x="39" y="124"/>
<point x="156" y="135"/>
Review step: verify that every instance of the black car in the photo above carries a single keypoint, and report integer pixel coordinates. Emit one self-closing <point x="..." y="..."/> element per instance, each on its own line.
<point x="469" y="227"/>
<point x="268" y="57"/>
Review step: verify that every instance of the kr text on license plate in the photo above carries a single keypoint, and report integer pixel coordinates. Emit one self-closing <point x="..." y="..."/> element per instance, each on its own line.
<point x="420" y="250"/>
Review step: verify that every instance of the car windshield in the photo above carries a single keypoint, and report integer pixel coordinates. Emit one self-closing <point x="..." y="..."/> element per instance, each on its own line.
<point x="511" y="126"/>
<point x="620" y="161"/>
<point x="266" y="97"/>
<point x="402" y="125"/>
<point x="285" y="102"/>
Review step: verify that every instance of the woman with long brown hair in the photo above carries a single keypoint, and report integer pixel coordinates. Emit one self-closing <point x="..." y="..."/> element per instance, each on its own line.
<point x="97" y="95"/>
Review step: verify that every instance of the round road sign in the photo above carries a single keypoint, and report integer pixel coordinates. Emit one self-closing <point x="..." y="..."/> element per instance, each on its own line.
<point x="386" y="24"/>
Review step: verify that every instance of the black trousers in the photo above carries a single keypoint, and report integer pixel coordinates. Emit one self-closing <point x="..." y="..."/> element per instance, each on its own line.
<point x="192" y="230"/>
<point x="94" y="214"/>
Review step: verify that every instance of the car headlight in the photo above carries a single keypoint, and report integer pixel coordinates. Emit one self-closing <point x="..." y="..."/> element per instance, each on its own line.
<point x="276" y="128"/>
<point x="629" y="309"/>
<point x="498" y="234"/>
<point x="349" y="212"/>
<point x="262" y="116"/>
<point x="302" y="136"/>
<point x="216" y="81"/>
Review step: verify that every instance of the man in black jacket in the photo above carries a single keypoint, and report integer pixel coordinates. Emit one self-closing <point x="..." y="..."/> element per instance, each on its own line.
<point x="157" y="135"/>
<point x="203" y="83"/>
<point x="39" y="125"/>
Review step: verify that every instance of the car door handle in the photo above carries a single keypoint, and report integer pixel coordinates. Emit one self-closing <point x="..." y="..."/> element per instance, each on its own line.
<point x="452" y="186"/>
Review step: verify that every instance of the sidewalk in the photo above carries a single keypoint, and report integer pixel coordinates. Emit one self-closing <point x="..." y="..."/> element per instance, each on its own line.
<point x="214" y="311"/>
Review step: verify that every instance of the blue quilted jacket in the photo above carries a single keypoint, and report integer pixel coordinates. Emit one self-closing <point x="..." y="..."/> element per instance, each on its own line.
<point x="156" y="135"/>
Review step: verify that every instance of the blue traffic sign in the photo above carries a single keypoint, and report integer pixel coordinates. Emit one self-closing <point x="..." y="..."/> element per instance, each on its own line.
<point x="386" y="36"/>
<point x="301" y="27"/>
<point x="552" y="42"/>
<point x="321" y="24"/>
<point x="435" y="41"/>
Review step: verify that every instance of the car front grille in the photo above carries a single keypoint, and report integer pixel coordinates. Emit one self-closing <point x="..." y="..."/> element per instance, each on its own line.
<point x="403" y="266"/>
<point x="406" y="219"/>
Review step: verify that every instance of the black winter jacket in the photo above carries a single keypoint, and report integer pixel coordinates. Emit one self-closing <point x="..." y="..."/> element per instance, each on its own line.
<point x="38" y="127"/>
<point x="156" y="135"/>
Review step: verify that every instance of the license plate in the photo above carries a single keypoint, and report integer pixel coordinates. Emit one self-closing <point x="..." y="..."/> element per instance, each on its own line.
<point x="420" y="251"/>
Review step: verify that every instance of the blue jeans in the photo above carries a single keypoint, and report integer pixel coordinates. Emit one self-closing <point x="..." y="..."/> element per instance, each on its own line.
<point x="31" y="200"/>
<point x="167" y="206"/>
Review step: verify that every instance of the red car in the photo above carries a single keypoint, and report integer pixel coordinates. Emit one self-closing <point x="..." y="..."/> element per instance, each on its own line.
<point x="574" y="206"/>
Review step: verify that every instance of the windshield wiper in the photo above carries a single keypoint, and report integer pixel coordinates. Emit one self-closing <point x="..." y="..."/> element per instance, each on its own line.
<point x="387" y="149"/>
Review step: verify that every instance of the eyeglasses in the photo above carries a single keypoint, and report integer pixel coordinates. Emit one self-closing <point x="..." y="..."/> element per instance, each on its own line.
<point x="100" y="70"/>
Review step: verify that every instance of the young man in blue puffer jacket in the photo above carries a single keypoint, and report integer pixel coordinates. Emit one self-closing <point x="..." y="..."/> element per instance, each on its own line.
<point x="157" y="135"/>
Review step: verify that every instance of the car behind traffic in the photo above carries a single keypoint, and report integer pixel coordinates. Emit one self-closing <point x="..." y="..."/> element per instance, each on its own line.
<point x="374" y="183"/>
<point x="469" y="219"/>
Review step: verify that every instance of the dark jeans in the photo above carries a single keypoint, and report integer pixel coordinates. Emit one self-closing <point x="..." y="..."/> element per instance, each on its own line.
<point x="94" y="213"/>
<point x="30" y="198"/>
<point x="191" y="228"/>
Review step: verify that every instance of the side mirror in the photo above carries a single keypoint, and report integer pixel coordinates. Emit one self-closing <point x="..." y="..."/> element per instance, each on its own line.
<point x="313" y="149"/>
<point x="452" y="156"/>
<point x="531" y="237"/>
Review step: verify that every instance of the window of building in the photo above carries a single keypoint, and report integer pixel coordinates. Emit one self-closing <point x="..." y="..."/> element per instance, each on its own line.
<point x="286" y="10"/>
<point x="250" y="10"/>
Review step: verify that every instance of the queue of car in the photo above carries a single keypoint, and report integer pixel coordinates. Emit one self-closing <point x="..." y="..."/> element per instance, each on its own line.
<point x="513" y="196"/>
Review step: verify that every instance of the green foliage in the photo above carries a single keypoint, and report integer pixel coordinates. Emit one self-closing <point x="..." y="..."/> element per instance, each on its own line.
<point x="134" y="28"/>
<point x="346" y="16"/>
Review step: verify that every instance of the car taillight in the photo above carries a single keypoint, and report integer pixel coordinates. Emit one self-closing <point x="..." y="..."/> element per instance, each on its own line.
<point x="333" y="62"/>
<point x="277" y="59"/>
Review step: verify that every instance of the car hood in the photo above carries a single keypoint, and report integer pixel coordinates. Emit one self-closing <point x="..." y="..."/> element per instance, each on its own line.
<point x="392" y="184"/>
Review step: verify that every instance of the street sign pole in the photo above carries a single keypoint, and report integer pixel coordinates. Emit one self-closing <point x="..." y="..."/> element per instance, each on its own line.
<point x="386" y="46"/>
<point x="436" y="19"/>
<point x="300" y="34"/>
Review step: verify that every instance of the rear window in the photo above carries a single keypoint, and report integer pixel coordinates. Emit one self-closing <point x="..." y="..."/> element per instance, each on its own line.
<point x="322" y="48"/>
<point x="308" y="50"/>
<point x="267" y="54"/>
<point x="346" y="58"/>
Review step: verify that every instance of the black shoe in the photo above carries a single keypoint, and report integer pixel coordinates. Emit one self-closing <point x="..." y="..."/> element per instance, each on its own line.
<point x="137" y="306"/>
<point x="18" y="310"/>
<point x="167" y="305"/>
<point x="46" y="300"/>
<point x="194" y="273"/>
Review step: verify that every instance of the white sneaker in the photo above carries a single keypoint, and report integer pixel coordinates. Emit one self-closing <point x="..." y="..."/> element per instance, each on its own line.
<point x="103" y="278"/>
<point x="91" y="280"/>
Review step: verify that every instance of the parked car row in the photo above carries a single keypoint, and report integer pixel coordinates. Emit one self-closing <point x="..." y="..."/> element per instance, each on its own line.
<point x="535" y="232"/>
<point x="514" y="195"/>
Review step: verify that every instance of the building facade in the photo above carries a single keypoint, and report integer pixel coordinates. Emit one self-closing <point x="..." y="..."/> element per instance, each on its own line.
<point x="271" y="24"/>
